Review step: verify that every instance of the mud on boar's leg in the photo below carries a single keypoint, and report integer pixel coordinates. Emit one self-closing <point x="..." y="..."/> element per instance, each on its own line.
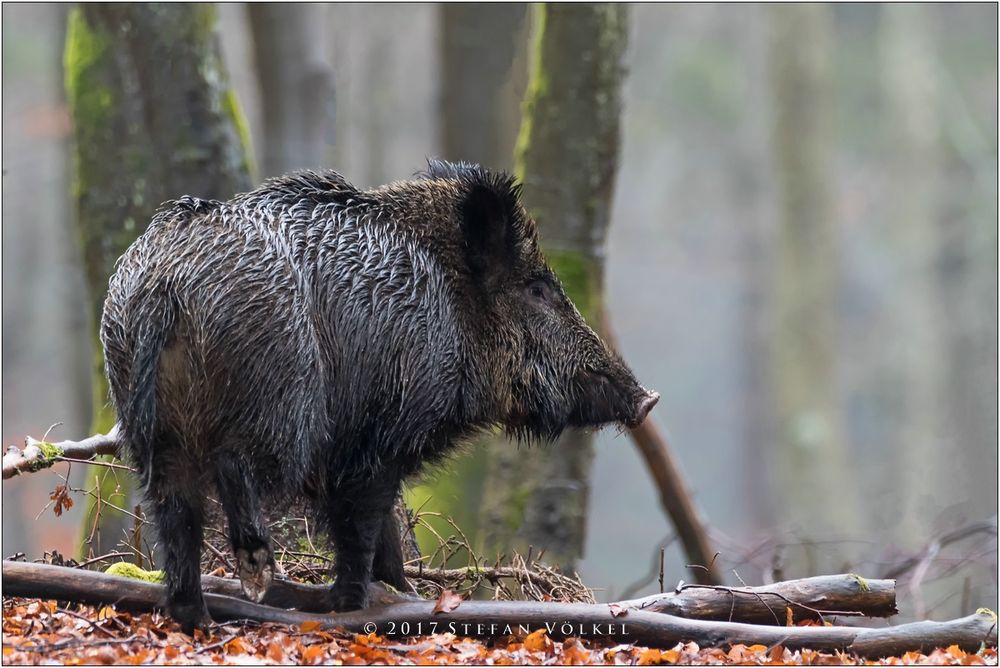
<point x="356" y="514"/>
<point x="248" y="533"/>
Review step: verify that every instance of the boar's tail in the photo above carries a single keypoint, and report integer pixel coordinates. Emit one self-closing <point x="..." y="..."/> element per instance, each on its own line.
<point x="140" y="420"/>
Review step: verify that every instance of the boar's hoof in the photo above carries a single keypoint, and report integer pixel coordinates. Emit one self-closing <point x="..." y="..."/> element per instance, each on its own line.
<point x="255" y="570"/>
<point x="348" y="596"/>
<point x="190" y="616"/>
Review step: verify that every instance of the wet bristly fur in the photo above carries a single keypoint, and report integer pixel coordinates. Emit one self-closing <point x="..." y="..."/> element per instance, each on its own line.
<point x="311" y="338"/>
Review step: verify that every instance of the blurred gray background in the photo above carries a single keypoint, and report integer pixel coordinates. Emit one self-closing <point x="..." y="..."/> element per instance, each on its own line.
<point x="689" y="268"/>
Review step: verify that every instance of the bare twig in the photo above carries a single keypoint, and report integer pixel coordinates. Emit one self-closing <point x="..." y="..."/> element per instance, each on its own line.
<point x="935" y="546"/>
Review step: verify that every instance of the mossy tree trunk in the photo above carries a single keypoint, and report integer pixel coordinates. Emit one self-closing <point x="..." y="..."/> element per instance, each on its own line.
<point x="809" y="453"/>
<point x="153" y="119"/>
<point x="483" y="52"/>
<point x="567" y="158"/>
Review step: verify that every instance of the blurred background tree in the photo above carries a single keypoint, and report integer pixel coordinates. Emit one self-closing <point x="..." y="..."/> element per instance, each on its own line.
<point x="482" y="53"/>
<point x="810" y="454"/>
<point x="567" y="159"/>
<point x="153" y="117"/>
<point x="690" y="267"/>
<point x="295" y="80"/>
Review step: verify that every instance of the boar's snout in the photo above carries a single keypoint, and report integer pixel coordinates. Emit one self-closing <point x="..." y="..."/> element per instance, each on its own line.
<point x="645" y="404"/>
<point x="612" y="397"/>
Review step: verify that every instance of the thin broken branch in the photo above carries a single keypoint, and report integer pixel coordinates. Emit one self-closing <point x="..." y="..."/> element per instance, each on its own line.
<point x="935" y="546"/>
<point x="38" y="455"/>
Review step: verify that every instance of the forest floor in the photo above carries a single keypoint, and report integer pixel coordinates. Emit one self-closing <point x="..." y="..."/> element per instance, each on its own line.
<point x="41" y="632"/>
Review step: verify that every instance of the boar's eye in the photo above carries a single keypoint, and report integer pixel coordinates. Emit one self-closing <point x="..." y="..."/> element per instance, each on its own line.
<point x="539" y="291"/>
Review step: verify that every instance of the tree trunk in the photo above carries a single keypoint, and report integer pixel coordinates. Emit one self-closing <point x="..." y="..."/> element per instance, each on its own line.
<point x="809" y="455"/>
<point x="751" y="184"/>
<point x="917" y="359"/>
<point x="153" y="119"/>
<point x="296" y="85"/>
<point x="483" y="75"/>
<point x="567" y="158"/>
<point x="483" y="58"/>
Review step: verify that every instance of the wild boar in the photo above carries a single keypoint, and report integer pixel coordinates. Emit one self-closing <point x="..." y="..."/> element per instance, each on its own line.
<point x="310" y="338"/>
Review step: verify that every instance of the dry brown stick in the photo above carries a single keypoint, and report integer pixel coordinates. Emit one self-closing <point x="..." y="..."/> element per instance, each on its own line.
<point x="491" y="618"/>
<point x="674" y="495"/>
<point x="809" y="598"/>
<point x="38" y="455"/>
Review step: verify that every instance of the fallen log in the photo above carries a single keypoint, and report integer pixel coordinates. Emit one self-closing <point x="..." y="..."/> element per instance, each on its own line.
<point x="496" y="618"/>
<point x="808" y="598"/>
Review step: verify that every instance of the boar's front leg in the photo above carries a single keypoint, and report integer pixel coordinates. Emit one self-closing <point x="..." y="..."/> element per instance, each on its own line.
<point x="248" y="533"/>
<point x="356" y="515"/>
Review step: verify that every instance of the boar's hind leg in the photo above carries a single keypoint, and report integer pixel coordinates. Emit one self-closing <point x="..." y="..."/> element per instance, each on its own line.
<point x="387" y="565"/>
<point x="356" y="514"/>
<point x="248" y="532"/>
<point x="179" y="522"/>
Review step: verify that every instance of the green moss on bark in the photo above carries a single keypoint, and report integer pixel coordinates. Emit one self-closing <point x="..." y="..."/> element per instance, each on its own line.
<point x="537" y="87"/>
<point x="581" y="277"/>
<point x="143" y="134"/>
<point x="234" y="111"/>
<point x="124" y="569"/>
<point x="566" y="157"/>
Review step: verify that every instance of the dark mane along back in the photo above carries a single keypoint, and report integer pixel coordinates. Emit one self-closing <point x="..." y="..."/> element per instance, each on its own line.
<point x="326" y="187"/>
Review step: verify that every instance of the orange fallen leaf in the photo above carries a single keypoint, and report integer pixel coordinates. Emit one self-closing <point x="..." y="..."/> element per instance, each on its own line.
<point x="575" y="653"/>
<point x="617" y="610"/>
<point x="777" y="653"/>
<point x="309" y="626"/>
<point x="447" y="601"/>
<point x="537" y="641"/>
<point x="275" y="653"/>
<point x="236" y="646"/>
<point x="313" y="652"/>
<point x="650" y="657"/>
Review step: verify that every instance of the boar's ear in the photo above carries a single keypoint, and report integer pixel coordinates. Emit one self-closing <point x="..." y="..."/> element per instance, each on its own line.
<point x="488" y="227"/>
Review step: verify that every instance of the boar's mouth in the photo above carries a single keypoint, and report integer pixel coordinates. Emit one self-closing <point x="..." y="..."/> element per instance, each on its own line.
<point x="602" y="400"/>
